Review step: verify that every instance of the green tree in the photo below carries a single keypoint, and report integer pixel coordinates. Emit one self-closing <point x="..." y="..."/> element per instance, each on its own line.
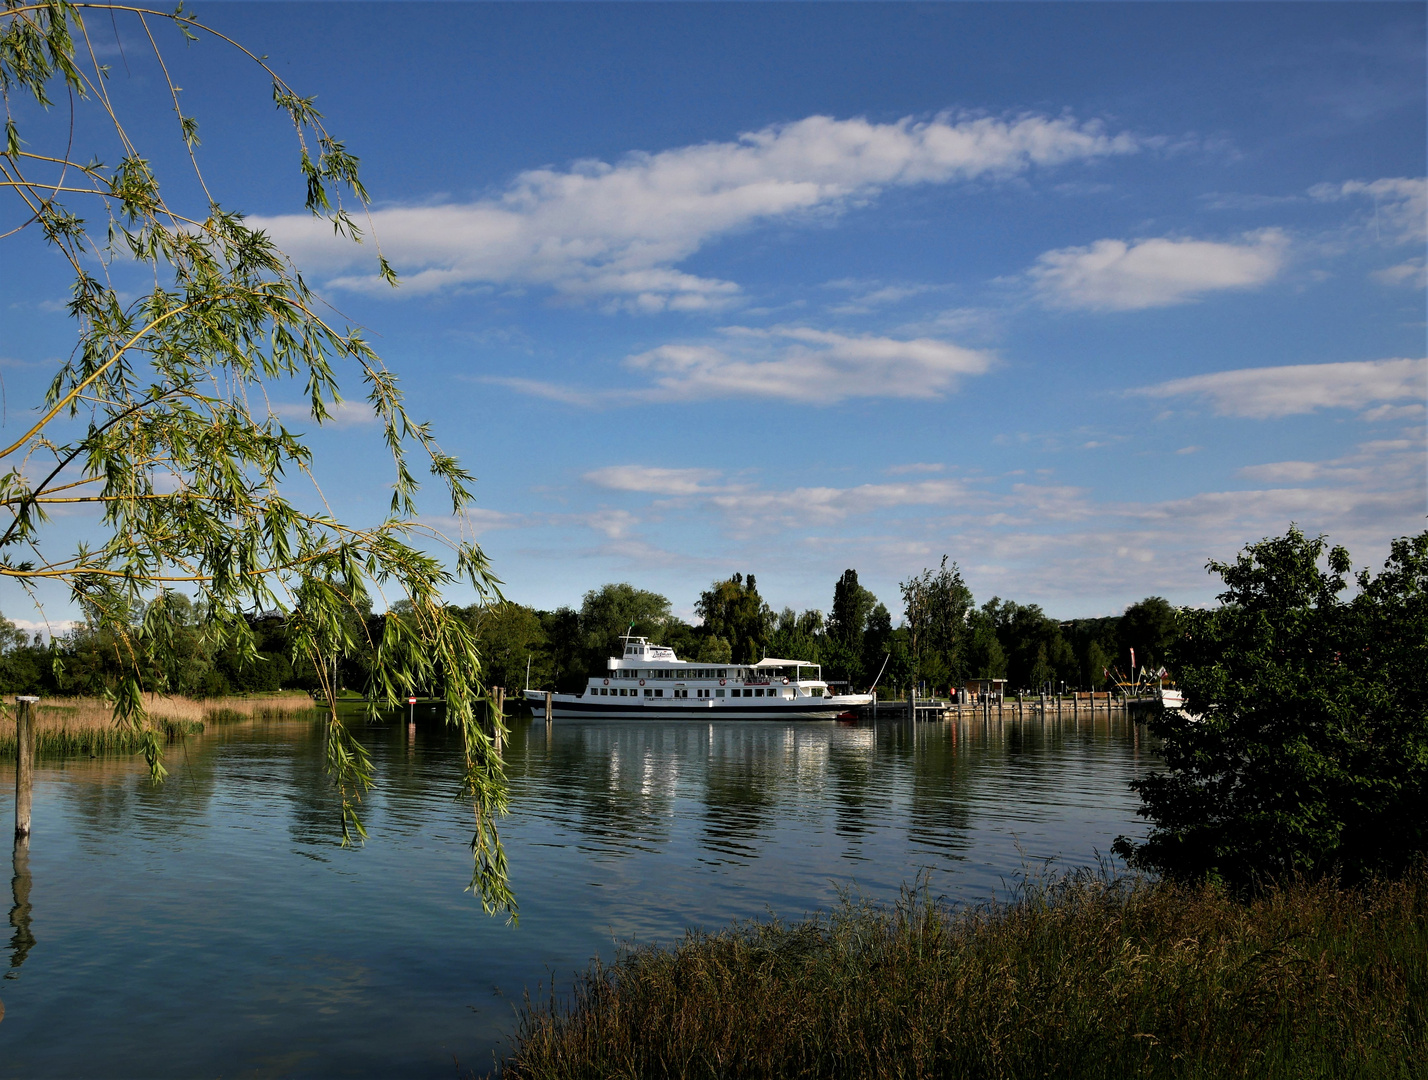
<point x="512" y="635"/>
<point x="1150" y="628"/>
<point x="1303" y="746"/>
<point x="852" y="604"/>
<point x="1035" y="650"/>
<point x="158" y="418"/>
<point x="733" y="609"/>
<point x="935" y="607"/>
<point x="797" y="636"/>
<point x="611" y="611"/>
<point x="847" y="626"/>
<point x="1095" y="666"/>
<point x="986" y="659"/>
<point x="877" y="637"/>
<point x="26" y="665"/>
<point x="714" y="649"/>
<point x="569" y="667"/>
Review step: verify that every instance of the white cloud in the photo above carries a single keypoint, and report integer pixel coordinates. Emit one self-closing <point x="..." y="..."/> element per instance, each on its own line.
<point x="655" y="481"/>
<point x="51" y="628"/>
<point x="1111" y="275"/>
<point x="1264" y="393"/>
<point x="1400" y="205"/>
<point x="347" y="414"/>
<point x="802" y="364"/>
<point x="1376" y="464"/>
<point x="822" y="506"/>
<point x="868" y="295"/>
<point x="1412" y="273"/>
<point x="815" y="367"/>
<point x="597" y="229"/>
<point x="1042" y="542"/>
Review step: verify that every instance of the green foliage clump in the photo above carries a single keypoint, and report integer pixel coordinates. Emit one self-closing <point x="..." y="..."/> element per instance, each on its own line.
<point x="1303" y="745"/>
<point x="733" y="609"/>
<point x="1092" y="976"/>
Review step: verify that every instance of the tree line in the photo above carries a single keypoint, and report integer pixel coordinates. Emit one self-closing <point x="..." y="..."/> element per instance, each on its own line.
<point x="941" y="640"/>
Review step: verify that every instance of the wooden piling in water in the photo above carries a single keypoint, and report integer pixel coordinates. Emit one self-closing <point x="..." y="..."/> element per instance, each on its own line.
<point x="549" y="706"/>
<point x="24" y="764"/>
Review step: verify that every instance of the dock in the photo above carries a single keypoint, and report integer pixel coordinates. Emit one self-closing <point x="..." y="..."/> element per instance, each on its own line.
<point x="1071" y="707"/>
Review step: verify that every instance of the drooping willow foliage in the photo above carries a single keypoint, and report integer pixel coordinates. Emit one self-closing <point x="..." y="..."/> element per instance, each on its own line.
<point x="159" y="423"/>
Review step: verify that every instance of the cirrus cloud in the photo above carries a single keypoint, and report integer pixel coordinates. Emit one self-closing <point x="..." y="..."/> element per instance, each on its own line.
<point x="1271" y="392"/>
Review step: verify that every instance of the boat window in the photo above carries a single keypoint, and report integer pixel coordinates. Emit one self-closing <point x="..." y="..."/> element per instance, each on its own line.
<point x="718" y="693"/>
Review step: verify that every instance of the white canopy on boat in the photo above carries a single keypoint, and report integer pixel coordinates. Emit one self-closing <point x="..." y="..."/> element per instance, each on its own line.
<point x="770" y="661"/>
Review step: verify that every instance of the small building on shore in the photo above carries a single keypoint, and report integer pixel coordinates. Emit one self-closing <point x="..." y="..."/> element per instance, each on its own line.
<point x="992" y="690"/>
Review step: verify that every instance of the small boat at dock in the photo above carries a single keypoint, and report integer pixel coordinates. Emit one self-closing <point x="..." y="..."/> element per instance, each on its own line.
<point x="648" y="682"/>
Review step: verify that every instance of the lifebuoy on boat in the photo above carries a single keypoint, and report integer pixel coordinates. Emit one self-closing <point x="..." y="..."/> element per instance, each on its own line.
<point x="721" y="682"/>
<point x="642" y="682"/>
<point x="785" y="680"/>
<point x="607" y="682"/>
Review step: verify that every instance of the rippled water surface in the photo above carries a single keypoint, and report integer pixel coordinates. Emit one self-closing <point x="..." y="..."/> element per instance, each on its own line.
<point x="214" y="926"/>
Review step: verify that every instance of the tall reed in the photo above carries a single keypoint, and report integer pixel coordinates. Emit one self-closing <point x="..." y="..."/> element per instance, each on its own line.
<point x="85" y="725"/>
<point x="1091" y="976"/>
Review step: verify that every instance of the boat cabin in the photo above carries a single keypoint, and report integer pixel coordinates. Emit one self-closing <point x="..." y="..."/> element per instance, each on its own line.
<point x="653" y="671"/>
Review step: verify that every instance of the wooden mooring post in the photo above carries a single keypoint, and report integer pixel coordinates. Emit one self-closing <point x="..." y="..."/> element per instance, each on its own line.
<point x="549" y="706"/>
<point x="24" y="765"/>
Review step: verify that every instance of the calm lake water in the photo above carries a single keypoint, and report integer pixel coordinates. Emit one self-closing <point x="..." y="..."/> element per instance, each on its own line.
<point x="214" y="926"/>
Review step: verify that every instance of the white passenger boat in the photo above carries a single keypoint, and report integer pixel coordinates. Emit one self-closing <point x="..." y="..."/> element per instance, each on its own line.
<point x="650" y="683"/>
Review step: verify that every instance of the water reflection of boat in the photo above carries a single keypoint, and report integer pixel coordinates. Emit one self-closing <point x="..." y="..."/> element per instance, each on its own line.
<point x="650" y="683"/>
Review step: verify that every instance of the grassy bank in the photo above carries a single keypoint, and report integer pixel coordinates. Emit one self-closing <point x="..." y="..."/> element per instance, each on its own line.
<point x="85" y="725"/>
<point x="1089" y="977"/>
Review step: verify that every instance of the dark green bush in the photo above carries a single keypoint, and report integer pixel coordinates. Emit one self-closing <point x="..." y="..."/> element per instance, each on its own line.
<point x="1305" y="747"/>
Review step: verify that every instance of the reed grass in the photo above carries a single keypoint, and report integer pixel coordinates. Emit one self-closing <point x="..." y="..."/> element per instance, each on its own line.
<point x="1090" y="976"/>
<point x="85" y="725"/>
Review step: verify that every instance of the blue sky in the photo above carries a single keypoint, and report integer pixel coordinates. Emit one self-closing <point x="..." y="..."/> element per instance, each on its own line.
<point x="1079" y="295"/>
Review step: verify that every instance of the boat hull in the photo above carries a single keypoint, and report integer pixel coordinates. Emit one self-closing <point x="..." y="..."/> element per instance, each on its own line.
<point x="570" y="707"/>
